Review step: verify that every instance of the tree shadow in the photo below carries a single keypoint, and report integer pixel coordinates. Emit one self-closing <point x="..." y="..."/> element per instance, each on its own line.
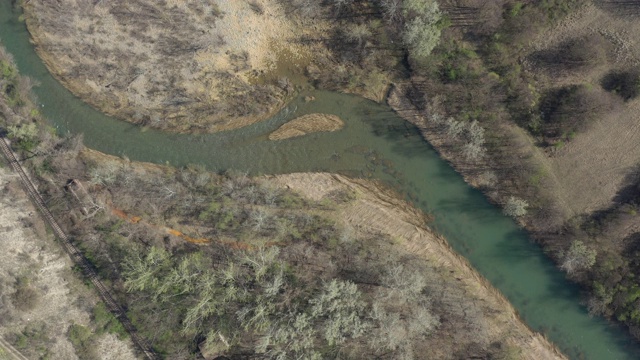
<point x="625" y="8"/>
<point x="626" y="84"/>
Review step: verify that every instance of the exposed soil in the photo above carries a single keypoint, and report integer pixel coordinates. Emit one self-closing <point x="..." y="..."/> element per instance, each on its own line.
<point x="307" y="124"/>
<point x="377" y="210"/>
<point x="30" y="259"/>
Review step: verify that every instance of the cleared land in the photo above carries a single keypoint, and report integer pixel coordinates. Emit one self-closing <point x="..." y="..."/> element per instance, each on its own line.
<point x="596" y="164"/>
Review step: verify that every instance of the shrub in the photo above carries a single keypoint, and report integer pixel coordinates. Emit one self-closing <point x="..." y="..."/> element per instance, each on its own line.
<point x="454" y="127"/>
<point x="572" y="108"/>
<point x="576" y="54"/>
<point x="473" y="151"/>
<point x="579" y="257"/>
<point x="25" y="136"/>
<point x="83" y="341"/>
<point x="26" y="297"/>
<point x="515" y="207"/>
<point x="105" y="321"/>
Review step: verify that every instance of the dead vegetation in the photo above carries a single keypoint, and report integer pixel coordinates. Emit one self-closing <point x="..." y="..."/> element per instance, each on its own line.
<point x="41" y="296"/>
<point x="196" y="67"/>
<point x="173" y="65"/>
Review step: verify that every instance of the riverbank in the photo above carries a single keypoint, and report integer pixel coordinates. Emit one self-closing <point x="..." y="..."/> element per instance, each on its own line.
<point x="208" y="74"/>
<point x="183" y="69"/>
<point x="377" y="209"/>
<point x="406" y="149"/>
<point x="560" y="127"/>
<point x="383" y="221"/>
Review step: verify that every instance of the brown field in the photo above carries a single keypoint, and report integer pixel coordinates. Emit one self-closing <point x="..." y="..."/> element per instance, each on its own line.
<point x="185" y="66"/>
<point x="594" y="166"/>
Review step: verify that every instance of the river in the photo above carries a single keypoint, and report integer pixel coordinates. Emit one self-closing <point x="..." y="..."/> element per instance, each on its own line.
<point x="374" y="143"/>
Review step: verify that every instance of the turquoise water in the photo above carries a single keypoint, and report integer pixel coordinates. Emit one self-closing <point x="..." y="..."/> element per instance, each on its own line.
<point x="374" y="143"/>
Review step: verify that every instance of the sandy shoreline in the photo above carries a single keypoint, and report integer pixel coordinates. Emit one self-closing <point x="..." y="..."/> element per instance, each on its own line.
<point x="307" y="124"/>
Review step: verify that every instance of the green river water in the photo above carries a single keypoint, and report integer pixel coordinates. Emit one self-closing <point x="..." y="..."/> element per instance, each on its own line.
<point x="374" y="143"/>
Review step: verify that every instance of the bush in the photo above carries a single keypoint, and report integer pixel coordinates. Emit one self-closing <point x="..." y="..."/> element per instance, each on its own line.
<point x="26" y="297"/>
<point x="576" y="54"/>
<point x="515" y="207"/>
<point x="572" y="108"/>
<point x="25" y="136"/>
<point x="83" y="341"/>
<point x="105" y="321"/>
<point x="579" y="257"/>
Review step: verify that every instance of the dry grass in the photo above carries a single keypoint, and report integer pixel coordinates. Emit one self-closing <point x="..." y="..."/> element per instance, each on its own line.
<point x="591" y="168"/>
<point x="186" y="66"/>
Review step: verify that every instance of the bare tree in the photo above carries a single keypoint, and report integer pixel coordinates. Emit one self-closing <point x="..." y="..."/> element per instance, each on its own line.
<point x="579" y="257"/>
<point x="392" y="9"/>
<point x="515" y="207"/>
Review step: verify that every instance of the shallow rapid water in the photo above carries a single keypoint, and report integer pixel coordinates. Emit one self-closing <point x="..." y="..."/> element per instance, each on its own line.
<point x="374" y="143"/>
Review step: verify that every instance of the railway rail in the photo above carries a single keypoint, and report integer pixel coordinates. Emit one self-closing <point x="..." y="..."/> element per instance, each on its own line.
<point x="75" y="254"/>
<point x="10" y="351"/>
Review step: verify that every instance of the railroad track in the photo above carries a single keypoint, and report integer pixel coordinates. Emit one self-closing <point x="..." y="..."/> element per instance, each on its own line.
<point x="75" y="254"/>
<point x="11" y="351"/>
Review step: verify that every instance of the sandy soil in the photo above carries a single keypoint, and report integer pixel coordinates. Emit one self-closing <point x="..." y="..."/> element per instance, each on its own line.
<point x="376" y="210"/>
<point x="187" y="66"/>
<point x="27" y="251"/>
<point x="307" y="124"/>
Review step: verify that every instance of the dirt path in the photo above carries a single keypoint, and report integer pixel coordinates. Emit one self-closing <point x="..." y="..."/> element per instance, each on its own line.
<point x="377" y="210"/>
